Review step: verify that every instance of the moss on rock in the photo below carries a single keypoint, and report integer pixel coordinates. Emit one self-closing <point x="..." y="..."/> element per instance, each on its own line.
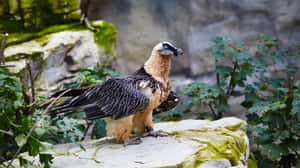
<point x="220" y="143"/>
<point x="106" y="35"/>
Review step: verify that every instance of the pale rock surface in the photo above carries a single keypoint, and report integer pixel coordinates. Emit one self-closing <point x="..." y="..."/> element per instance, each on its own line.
<point x="190" y="144"/>
<point x="56" y="59"/>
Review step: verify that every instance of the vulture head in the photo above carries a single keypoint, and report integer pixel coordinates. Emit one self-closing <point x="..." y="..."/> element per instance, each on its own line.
<point x="167" y="49"/>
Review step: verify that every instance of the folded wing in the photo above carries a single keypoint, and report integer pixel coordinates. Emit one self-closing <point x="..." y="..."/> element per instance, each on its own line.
<point x="115" y="98"/>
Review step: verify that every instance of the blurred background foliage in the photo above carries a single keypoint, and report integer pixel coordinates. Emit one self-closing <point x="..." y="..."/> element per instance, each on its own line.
<point x="35" y="15"/>
<point x="266" y="80"/>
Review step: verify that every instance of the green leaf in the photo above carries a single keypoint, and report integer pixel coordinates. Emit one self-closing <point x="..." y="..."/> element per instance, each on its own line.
<point x="46" y="159"/>
<point x="252" y="164"/>
<point x="53" y="129"/>
<point x="46" y="148"/>
<point x="237" y="93"/>
<point x="40" y="131"/>
<point x="274" y="120"/>
<point x="223" y="69"/>
<point x="78" y="132"/>
<point x="272" y="150"/>
<point x="296" y="109"/>
<point x="33" y="146"/>
<point x="219" y="55"/>
<point x="275" y="151"/>
<point x="266" y="163"/>
<point x="252" y="118"/>
<point x="223" y="107"/>
<point x="285" y="90"/>
<point x="99" y="128"/>
<point x="282" y="134"/>
<point x="24" y="162"/>
<point x="298" y="162"/>
<point x="296" y="128"/>
<point x="20" y="139"/>
<point x="255" y="108"/>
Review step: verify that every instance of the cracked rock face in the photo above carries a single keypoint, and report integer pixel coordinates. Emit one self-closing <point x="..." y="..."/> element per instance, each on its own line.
<point x="190" y="144"/>
<point x="56" y="58"/>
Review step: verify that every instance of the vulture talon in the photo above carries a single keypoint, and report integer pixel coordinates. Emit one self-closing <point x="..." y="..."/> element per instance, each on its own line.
<point x="158" y="133"/>
<point x="133" y="141"/>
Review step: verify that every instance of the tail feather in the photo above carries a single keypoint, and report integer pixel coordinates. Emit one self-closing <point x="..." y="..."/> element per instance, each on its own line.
<point x="73" y="92"/>
<point x="93" y="112"/>
<point x="61" y="110"/>
<point x="77" y="100"/>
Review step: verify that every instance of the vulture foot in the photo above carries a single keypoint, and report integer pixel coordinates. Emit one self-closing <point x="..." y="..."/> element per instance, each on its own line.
<point x="155" y="133"/>
<point x="133" y="141"/>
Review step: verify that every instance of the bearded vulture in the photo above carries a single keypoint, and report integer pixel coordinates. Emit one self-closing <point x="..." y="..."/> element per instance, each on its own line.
<point x="127" y="103"/>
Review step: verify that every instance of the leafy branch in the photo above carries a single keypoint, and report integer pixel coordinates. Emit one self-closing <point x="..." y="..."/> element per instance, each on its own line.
<point x="35" y="126"/>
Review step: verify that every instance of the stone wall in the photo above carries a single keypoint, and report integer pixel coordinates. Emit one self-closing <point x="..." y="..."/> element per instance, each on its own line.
<point x="192" y="25"/>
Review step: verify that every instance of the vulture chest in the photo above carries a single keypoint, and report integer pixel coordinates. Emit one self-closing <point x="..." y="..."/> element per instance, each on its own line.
<point x="156" y="93"/>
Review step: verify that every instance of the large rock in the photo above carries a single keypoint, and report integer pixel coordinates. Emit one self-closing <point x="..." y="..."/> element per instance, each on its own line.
<point x="57" y="58"/>
<point x="190" y="144"/>
<point x="192" y="25"/>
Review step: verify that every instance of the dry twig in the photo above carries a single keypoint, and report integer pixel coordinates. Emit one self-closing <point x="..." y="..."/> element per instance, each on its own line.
<point x="3" y="44"/>
<point x="84" y="6"/>
<point x="6" y="66"/>
<point x="31" y="82"/>
<point x="6" y="132"/>
<point x="88" y="25"/>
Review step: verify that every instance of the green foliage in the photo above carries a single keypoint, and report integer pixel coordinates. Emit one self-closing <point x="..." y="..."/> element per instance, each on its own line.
<point x="272" y="100"/>
<point x="168" y="116"/>
<point x="233" y="64"/>
<point x="273" y="105"/>
<point x="16" y="121"/>
<point x="17" y="118"/>
<point x="93" y="76"/>
<point x="11" y="98"/>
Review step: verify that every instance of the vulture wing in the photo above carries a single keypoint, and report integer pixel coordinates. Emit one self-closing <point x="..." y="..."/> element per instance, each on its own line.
<point x="115" y="98"/>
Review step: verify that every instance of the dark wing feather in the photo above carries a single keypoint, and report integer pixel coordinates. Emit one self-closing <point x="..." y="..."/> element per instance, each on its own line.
<point x="115" y="98"/>
<point x="73" y="92"/>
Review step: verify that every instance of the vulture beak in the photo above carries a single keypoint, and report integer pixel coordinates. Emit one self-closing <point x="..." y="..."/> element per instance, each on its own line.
<point x="178" y="51"/>
<point x="166" y="48"/>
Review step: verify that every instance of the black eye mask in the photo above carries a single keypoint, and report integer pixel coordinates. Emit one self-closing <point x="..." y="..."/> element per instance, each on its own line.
<point x="168" y="49"/>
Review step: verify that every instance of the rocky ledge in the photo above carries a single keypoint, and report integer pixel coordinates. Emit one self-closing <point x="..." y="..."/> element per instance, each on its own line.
<point x="59" y="53"/>
<point x="191" y="143"/>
